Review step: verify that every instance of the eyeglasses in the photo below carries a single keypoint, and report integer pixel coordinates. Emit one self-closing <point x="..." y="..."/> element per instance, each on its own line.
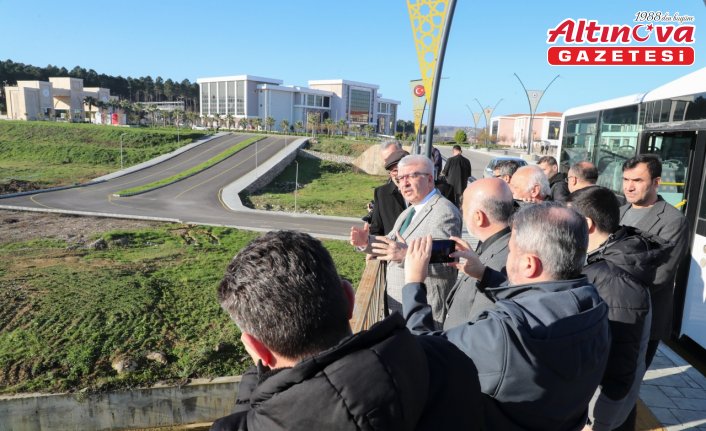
<point x="413" y="175"/>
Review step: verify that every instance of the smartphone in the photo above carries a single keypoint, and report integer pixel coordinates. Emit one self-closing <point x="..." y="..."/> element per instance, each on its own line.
<point x="441" y="249"/>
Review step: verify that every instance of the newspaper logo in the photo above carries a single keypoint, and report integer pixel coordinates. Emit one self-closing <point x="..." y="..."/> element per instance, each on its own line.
<point x="658" y="39"/>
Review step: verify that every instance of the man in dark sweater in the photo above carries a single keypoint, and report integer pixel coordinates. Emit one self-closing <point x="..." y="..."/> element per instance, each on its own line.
<point x="284" y="293"/>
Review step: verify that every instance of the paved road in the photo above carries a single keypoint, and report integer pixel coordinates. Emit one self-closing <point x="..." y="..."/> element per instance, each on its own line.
<point x="193" y="200"/>
<point x="198" y="199"/>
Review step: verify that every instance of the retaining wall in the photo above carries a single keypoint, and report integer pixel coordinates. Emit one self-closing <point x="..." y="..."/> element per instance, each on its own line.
<point x="199" y="402"/>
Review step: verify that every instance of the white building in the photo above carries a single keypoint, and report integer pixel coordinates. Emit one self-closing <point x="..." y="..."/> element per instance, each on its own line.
<point x="356" y="103"/>
<point x="512" y="130"/>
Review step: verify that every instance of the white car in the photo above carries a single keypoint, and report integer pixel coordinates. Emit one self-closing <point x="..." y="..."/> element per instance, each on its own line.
<point x="488" y="171"/>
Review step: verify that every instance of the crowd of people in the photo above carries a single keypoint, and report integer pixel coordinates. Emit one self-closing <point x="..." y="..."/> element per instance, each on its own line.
<point x="550" y="323"/>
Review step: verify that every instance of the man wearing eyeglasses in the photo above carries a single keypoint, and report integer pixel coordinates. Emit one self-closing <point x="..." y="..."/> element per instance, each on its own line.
<point x="428" y="213"/>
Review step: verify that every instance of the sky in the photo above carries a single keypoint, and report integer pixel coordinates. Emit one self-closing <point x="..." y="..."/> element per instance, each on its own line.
<point x="367" y="41"/>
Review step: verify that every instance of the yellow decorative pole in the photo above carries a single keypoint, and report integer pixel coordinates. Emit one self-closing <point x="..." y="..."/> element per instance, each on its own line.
<point x="431" y="23"/>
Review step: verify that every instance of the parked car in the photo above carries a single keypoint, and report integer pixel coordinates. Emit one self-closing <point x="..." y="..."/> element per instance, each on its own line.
<point x="488" y="171"/>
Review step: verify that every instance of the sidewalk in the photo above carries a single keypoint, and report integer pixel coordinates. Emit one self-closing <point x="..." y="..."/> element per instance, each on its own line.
<point x="675" y="392"/>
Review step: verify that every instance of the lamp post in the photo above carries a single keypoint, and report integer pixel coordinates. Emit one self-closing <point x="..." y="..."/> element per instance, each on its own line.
<point x="488" y="113"/>
<point x="296" y="184"/>
<point x="121" y="150"/>
<point x="533" y="98"/>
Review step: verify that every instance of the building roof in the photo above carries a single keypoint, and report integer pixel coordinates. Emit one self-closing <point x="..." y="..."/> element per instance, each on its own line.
<point x="342" y="81"/>
<point x="240" y="78"/>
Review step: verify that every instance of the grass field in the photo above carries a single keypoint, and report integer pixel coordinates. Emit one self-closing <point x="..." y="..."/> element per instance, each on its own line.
<point x="342" y="146"/>
<point x="55" y="154"/>
<point x="68" y="310"/>
<point x="325" y="188"/>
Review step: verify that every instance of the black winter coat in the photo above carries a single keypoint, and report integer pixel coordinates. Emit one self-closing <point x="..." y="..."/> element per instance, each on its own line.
<point x="623" y="271"/>
<point x="381" y="379"/>
<point x="388" y="204"/>
<point x="559" y="187"/>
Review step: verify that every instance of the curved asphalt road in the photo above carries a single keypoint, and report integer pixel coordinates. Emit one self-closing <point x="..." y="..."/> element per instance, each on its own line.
<point x="196" y="199"/>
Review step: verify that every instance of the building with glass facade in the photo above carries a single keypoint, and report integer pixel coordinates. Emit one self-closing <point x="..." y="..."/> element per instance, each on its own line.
<point x="246" y="96"/>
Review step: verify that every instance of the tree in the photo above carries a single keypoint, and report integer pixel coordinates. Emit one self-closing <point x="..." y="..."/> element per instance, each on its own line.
<point x="269" y="122"/>
<point x="257" y="123"/>
<point x="341" y="126"/>
<point x="229" y="120"/>
<point x="328" y="126"/>
<point x="284" y="126"/>
<point x="243" y="123"/>
<point x="312" y="121"/>
<point x="90" y="101"/>
<point x="460" y="136"/>
<point x="216" y="120"/>
<point x="298" y="126"/>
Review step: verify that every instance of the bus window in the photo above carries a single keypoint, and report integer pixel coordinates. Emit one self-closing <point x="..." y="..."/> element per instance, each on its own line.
<point x="674" y="150"/>
<point x="618" y="143"/>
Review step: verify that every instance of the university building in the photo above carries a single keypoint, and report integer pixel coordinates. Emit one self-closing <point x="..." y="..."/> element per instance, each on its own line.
<point x="60" y="97"/>
<point x="247" y="96"/>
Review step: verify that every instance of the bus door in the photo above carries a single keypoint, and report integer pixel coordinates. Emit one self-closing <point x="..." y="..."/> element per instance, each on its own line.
<point x="683" y="185"/>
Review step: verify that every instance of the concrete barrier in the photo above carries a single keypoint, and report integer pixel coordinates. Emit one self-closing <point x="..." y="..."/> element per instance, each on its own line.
<point x="199" y="402"/>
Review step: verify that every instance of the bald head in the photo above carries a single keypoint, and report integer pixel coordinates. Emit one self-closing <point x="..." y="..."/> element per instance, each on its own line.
<point x="487" y="207"/>
<point x="530" y="183"/>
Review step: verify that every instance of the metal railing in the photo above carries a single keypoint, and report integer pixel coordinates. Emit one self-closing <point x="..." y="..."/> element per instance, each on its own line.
<point x="369" y="297"/>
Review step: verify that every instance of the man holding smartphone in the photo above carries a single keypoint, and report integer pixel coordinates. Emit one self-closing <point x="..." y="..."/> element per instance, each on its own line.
<point x="487" y="208"/>
<point x="428" y="213"/>
<point x="542" y="347"/>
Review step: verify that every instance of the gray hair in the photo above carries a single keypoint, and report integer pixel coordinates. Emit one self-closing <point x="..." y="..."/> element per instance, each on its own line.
<point x="417" y="159"/>
<point x="388" y="142"/>
<point x="537" y="177"/>
<point x="507" y="167"/>
<point x="556" y="234"/>
<point x="498" y="211"/>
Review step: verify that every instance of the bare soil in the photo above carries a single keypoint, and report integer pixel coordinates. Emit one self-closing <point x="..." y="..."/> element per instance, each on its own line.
<point x="18" y="226"/>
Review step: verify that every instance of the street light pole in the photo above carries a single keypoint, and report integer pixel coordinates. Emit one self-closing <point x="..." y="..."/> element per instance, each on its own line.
<point x="296" y="185"/>
<point x="121" y="151"/>
<point x="533" y="98"/>
<point x="487" y="113"/>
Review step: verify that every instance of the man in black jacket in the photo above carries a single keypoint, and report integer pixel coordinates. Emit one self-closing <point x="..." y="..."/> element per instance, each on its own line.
<point x="388" y="203"/>
<point x="284" y="293"/>
<point x="541" y="349"/>
<point x="457" y="170"/>
<point x="621" y="264"/>
<point x="557" y="180"/>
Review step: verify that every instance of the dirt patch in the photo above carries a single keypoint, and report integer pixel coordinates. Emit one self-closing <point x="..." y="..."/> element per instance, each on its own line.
<point x="18" y="186"/>
<point x="17" y="226"/>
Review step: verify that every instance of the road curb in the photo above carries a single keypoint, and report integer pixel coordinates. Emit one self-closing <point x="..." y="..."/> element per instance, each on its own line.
<point x="157" y="160"/>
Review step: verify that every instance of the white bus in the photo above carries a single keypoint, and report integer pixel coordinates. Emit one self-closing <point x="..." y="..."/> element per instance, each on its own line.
<point x="669" y="121"/>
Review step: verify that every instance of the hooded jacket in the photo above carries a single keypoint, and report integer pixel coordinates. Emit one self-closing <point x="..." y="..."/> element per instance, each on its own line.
<point x="381" y="379"/>
<point x="623" y="270"/>
<point x="559" y="187"/>
<point x="540" y="351"/>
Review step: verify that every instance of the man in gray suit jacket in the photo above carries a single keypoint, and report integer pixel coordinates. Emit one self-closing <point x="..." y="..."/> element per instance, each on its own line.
<point x="487" y="207"/>
<point x="647" y="211"/>
<point x="428" y="213"/>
